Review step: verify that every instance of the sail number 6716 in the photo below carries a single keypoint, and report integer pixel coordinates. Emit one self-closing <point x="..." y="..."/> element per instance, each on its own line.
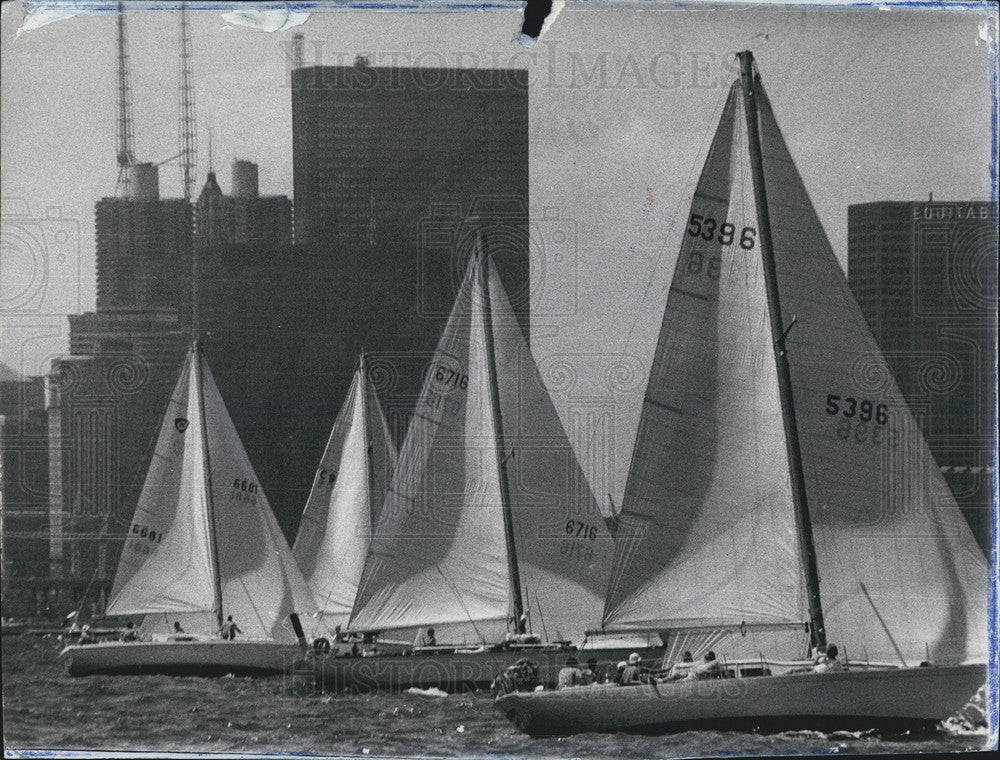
<point x="706" y="228"/>
<point x="581" y="530"/>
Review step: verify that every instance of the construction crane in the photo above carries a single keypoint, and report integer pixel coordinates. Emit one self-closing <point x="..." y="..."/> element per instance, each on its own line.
<point x="126" y="159"/>
<point x="186" y="117"/>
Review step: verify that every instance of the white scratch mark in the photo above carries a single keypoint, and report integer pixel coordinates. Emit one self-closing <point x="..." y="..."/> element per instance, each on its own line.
<point x="41" y="14"/>
<point x="267" y="21"/>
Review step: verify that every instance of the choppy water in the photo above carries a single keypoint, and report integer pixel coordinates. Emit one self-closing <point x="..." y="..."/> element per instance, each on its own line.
<point x="45" y="708"/>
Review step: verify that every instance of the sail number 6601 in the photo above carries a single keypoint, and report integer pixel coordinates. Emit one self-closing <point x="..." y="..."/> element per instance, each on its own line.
<point x="706" y="227"/>
<point x="865" y="409"/>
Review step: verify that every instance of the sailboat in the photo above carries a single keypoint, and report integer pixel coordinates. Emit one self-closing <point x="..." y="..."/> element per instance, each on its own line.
<point x="203" y="546"/>
<point x="489" y="532"/>
<point x="779" y="492"/>
<point x="344" y="503"/>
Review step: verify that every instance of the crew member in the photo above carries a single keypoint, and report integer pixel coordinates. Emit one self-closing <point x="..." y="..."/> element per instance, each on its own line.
<point x="571" y="675"/>
<point x="230" y="629"/>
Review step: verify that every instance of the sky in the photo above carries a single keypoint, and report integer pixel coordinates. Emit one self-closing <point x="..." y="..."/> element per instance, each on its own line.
<point x="874" y="104"/>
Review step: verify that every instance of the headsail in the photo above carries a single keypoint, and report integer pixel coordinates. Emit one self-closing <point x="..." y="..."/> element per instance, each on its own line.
<point x="167" y="563"/>
<point x="171" y="519"/>
<point x="345" y="501"/>
<point x="885" y="523"/>
<point x="439" y="554"/>
<point x="705" y="535"/>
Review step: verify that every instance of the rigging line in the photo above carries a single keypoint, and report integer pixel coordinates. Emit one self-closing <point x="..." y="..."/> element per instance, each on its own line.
<point x="881" y="620"/>
<point x="541" y="617"/>
<point x="461" y="602"/>
<point x="256" y="612"/>
<point x="93" y="577"/>
<point x="706" y="138"/>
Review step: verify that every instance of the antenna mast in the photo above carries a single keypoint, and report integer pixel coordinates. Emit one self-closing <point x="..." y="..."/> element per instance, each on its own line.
<point x="126" y="159"/>
<point x="186" y="117"/>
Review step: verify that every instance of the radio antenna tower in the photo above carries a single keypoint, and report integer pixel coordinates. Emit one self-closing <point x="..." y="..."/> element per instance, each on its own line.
<point x="126" y="159"/>
<point x="186" y="118"/>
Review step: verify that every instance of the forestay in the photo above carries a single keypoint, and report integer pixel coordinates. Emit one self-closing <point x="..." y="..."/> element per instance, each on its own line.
<point x="346" y="498"/>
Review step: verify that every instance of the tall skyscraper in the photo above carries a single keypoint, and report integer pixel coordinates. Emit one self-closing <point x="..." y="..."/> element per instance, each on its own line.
<point x="395" y="171"/>
<point x="143" y="247"/>
<point x="23" y="494"/>
<point x="925" y="276"/>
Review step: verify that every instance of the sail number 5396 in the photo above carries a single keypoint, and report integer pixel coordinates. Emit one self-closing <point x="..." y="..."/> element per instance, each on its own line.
<point x="706" y="228"/>
<point x="864" y="408"/>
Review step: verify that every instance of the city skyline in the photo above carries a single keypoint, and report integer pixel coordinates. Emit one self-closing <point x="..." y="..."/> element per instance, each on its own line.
<point x="620" y="111"/>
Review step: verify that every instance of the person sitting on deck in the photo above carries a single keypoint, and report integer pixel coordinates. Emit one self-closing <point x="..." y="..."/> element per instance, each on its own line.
<point x="177" y="627"/>
<point x="425" y="639"/>
<point x="707" y="668"/>
<point x="86" y="636"/>
<point x="588" y="675"/>
<point x="829" y="662"/>
<point x="338" y="635"/>
<point x="230" y="629"/>
<point x="619" y="671"/>
<point x="633" y="672"/>
<point x="680" y="669"/>
<point x="571" y="675"/>
<point x="129" y="634"/>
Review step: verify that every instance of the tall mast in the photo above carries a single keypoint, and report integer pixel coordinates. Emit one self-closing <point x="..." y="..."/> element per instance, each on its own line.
<point x="803" y="524"/>
<point x="508" y="522"/>
<point x="199" y="381"/>
<point x="363" y="390"/>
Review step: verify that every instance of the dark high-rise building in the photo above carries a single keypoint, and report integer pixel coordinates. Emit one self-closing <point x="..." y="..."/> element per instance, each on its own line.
<point x="143" y="247"/>
<point x="395" y="170"/>
<point x="24" y="496"/>
<point x="104" y="407"/>
<point x="925" y="276"/>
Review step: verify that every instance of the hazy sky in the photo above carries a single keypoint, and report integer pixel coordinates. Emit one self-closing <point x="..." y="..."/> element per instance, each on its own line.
<point x="874" y="104"/>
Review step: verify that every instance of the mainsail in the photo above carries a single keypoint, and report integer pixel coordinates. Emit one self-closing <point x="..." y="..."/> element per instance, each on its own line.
<point x="170" y="563"/>
<point x="345" y="501"/>
<point x="707" y="531"/>
<point x="440" y="553"/>
<point x="889" y="534"/>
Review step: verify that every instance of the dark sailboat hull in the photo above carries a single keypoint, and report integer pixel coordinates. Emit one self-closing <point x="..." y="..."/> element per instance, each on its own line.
<point x="181" y="658"/>
<point x="452" y="671"/>
<point x="897" y="699"/>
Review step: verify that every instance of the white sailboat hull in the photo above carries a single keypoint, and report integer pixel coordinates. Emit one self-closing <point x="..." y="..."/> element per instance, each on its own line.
<point x="900" y="698"/>
<point x="181" y="658"/>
